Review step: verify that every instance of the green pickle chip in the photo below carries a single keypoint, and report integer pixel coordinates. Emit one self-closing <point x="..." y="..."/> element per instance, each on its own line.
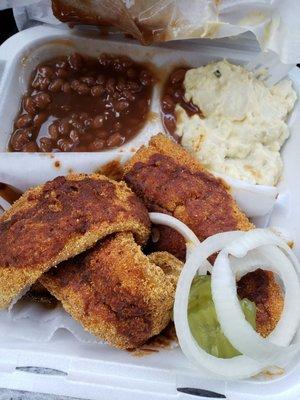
<point x="203" y="320"/>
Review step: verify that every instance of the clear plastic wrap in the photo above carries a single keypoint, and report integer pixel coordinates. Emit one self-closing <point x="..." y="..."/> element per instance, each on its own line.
<point x="273" y="22"/>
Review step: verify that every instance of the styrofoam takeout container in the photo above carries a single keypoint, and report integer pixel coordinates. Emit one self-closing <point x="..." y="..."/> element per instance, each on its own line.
<point x="93" y="370"/>
<point x="21" y="54"/>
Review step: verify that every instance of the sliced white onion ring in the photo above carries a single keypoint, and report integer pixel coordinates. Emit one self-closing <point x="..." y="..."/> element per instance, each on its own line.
<point x="230" y="315"/>
<point x="241" y="366"/>
<point x="261" y="237"/>
<point x="247" y="251"/>
<point x="286" y="326"/>
<point x="236" y="367"/>
<point x="172" y="222"/>
<point x="189" y="236"/>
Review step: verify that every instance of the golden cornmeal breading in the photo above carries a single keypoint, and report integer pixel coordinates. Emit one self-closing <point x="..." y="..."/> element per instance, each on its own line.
<point x="116" y="292"/>
<point x="169" y="180"/>
<point x="59" y="220"/>
<point x="261" y="288"/>
<point x="168" y="263"/>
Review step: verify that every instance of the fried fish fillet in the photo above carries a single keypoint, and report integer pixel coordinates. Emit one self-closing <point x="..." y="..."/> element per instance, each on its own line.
<point x="169" y="180"/>
<point x="116" y="292"/>
<point x="261" y="288"/>
<point x="59" y="220"/>
<point x="169" y="264"/>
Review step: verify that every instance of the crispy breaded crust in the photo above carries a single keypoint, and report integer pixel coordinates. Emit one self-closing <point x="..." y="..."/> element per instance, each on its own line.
<point x="261" y="288"/>
<point x="160" y="144"/>
<point x="164" y="238"/>
<point x="168" y="263"/>
<point x="59" y="220"/>
<point x="168" y="179"/>
<point x="116" y="292"/>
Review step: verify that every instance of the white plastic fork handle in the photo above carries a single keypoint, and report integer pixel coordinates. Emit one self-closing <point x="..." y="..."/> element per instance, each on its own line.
<point x="275" y="69"/>
<point x="278" y="73"/>
<point x="262" y="60"/>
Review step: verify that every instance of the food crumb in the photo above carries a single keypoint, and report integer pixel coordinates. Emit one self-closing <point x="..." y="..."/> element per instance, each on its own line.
<point x="272" y="372"/>
<point x="57" y="164"/>
<point x="166" y="339"/>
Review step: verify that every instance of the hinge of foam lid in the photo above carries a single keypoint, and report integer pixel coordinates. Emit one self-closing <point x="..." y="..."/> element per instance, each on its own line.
<point x="125" y="376"/>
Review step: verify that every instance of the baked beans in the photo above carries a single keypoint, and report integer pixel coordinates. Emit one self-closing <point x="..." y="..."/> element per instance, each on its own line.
<point x="79" y="103"/>
<point x="173" y="94"/>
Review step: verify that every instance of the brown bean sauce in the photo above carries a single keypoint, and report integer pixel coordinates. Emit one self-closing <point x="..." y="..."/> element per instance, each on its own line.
<point x="173" y="94"/>
<point x="80" y="103"/>
<point x="76" y="15"/>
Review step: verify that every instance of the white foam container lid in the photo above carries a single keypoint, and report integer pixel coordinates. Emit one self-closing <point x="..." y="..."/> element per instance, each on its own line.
<point x="97" y="371"/>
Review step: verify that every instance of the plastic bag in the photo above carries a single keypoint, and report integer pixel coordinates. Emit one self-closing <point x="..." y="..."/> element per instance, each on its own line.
<point x="274" y="22"/>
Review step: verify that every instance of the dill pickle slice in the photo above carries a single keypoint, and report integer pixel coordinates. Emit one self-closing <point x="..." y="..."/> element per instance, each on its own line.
<point x="203" y="320"/>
